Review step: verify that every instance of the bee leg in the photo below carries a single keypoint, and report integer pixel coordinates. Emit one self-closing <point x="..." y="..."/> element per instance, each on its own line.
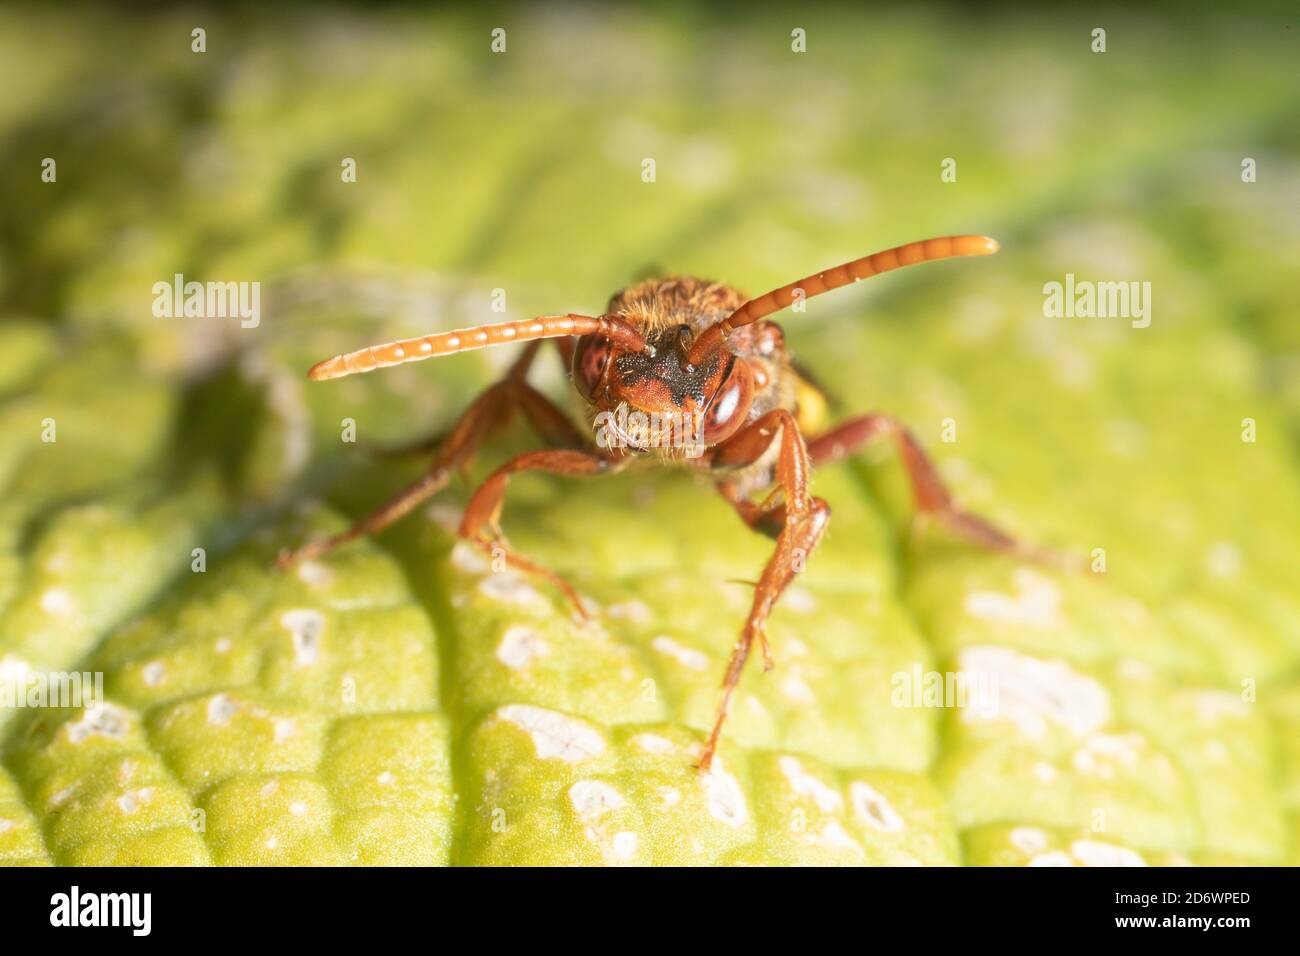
<point x="420" y="446"/>
<point x="763" y="517"/>
<point x="931" y="496"/>
<point x="802" y="521"/>
<point x="482" y="515"/>
<point x="490" y="410"/>
<point x="765" y="520"/>
<point x="562" y="435"/>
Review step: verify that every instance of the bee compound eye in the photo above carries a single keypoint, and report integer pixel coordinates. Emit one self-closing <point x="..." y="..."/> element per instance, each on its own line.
<point x="590" y="359"/>
<point x="729" y="407"/>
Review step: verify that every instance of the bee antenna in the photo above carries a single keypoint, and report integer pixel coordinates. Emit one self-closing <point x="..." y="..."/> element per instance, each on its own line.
<point x="926" y="250"/>
<point x="463" y="340"/>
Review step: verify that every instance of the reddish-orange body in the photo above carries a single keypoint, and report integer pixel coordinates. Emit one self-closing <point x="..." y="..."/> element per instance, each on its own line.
<point x="682" y="370"/>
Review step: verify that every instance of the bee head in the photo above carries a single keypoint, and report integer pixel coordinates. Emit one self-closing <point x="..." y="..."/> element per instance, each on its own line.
<point x="713" y="395"/>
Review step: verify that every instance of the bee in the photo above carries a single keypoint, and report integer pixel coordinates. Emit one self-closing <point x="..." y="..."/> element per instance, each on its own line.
<point x="682" y="372"/>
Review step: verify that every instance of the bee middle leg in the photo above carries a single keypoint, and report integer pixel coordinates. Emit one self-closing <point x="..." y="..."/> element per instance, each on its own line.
<point x="518" y="370"/>
<point x="797" y="523"/>
<point x="489" y="411"/>
<point x="931" y="496"/>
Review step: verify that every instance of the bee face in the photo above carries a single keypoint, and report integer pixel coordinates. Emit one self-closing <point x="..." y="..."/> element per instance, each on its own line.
<point x="714" y="397"/>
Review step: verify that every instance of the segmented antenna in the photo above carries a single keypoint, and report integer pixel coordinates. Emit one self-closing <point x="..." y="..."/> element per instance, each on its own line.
<point x="926" y="250"/>
<point x="464" y="340"/>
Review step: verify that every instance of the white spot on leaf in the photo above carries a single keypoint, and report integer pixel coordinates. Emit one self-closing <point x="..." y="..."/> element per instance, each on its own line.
<point x="58" y="602"/>
<point x="305" y="627"/>
<point x="592" y="799"/>
<point x="1033" y="693"/>
<point x="1096" y="853"/>
<point x="726" y="802"/>
<point x="805" y="784"/>
<point x="14" y="671"/>
<point x="1102" y="754"/>
<point x="686" y="656"/>
<point x="469" y="559"/>
<point x="1054" y="858"/>
<point x="654" y="744"/>
<point x="1029" y="839"/>
<point x="554" y="734"/>
<point x="794" y="687"/>
<point x="220" y="709"/>
<point x="1036" y="602"/>
<point x="625" y="844"/>
<point x="519" y="645"/>
<point x="1223" y="560"/>
<point x="1213" y="705"/>
<point x="799" y="600"/>
<point x="638" y="612"/>
<point x="104" y="720"/>
<point x="873" y="809"/>
<point x="445" y="517"/>
<point x="1131" y="668"/>
<point x="510" y="588"/>
<point x="314" y="573"/>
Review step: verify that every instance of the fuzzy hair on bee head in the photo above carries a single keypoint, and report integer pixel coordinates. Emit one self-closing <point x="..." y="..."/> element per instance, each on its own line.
<point x="657" y="305"/>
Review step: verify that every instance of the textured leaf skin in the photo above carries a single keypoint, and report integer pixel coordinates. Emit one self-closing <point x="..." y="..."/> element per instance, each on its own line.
<point x="402" y="703"/>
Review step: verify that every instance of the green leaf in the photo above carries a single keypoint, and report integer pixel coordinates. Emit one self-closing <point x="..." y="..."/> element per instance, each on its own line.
<point x="401" y="702"/>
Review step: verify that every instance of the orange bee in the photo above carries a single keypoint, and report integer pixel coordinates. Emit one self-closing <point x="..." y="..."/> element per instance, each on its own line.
<point x="684" y="371"/>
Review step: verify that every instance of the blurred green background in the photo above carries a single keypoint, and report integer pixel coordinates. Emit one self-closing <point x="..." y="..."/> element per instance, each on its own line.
<point x="395" y="703"/>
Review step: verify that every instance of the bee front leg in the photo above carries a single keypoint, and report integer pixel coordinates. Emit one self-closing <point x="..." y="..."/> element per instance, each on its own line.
<point x="491" y="410"/>
<point x="797" y="523"/>
<point x="481" y="524"/>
